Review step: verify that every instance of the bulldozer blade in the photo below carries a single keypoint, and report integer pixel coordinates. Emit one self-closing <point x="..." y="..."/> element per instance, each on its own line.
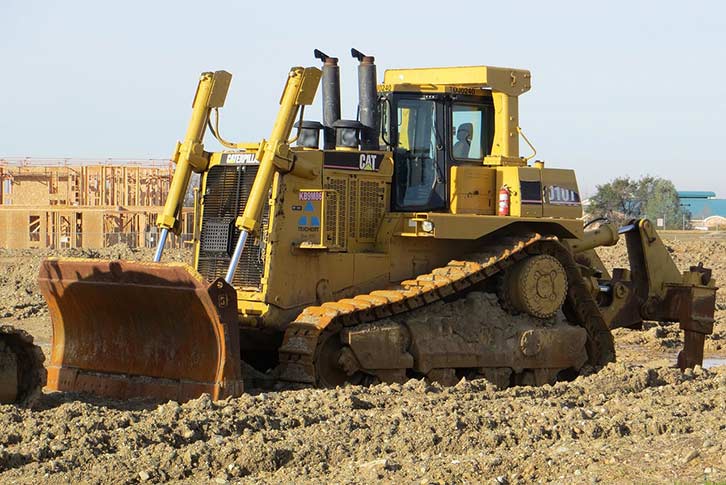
<point x="125" y="329"/>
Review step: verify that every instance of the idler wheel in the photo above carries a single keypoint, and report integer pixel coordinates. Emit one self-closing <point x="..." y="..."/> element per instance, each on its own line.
<point x="537" y="286"/>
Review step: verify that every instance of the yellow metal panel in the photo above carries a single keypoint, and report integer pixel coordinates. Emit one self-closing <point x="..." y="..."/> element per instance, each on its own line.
<point x="509" y="176"/>
<point x="431" y="88"/>
<point x="562" y="196"/>
<point x="472" y="226"/>
<point x="506" y="80"/>
<point x="370" y="268"/>
<point x="472" y="189"/>
<point x="220" y="86"/>
<point x="506" y="121"/>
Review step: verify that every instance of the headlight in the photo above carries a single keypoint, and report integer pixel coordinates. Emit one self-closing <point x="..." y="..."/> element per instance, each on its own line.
<point x="427" y="226"/>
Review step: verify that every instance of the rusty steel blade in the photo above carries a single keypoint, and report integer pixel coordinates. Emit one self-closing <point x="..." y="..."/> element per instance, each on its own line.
<point x="125" y="329"/>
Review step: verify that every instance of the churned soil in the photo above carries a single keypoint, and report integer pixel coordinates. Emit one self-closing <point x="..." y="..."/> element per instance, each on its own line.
<point x="637" y="421"/>
<point x="626" y="423"/>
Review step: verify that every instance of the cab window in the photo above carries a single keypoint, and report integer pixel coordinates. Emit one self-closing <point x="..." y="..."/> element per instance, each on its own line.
<point x="470" y="131"/>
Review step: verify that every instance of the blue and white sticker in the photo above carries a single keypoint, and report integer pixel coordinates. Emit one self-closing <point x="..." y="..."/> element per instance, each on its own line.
<point x="309" y="221"/>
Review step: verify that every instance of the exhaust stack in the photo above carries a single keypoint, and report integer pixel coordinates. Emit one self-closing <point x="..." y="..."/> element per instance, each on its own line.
<point x="331" y="97"/>
<point x="370" y="116"/>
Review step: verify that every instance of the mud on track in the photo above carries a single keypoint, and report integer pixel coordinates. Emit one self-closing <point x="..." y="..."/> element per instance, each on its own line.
<point x="638" y="420"/>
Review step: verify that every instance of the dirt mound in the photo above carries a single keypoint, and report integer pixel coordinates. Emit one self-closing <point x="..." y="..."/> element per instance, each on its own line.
<point x="605" y="427"/>
<point x="19" y="295"/>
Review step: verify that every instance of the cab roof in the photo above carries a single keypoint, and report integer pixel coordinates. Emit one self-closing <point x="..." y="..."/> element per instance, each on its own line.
<point x="465" y="79"/>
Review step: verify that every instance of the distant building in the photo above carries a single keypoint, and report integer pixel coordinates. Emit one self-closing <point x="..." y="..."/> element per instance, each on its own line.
<point x="707" y="212"/>
<point x="84" y="203"/>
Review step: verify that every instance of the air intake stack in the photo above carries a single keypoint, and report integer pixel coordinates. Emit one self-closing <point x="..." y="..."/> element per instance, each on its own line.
<point x="370" y="116"/>
<point x="331" y="97"/>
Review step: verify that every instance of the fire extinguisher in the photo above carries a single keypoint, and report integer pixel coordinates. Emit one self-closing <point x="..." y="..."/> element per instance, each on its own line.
<point x="504" y="197"/>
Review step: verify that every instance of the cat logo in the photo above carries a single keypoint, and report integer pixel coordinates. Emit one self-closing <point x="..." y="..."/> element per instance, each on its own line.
<point x="367" y="162"/>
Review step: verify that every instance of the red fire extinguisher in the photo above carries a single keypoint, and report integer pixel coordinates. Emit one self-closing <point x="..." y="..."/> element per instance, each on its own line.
<point x="504" y="197"/>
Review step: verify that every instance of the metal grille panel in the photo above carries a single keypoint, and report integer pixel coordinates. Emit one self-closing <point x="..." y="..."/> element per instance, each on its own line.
<point x="362" y="205"/>
<point x="216" y="236"/>
<point x="340" y="186"/>
<point x="370" y="209"/>
<point x="226" y="192"/>
<point x="353" y="207"/>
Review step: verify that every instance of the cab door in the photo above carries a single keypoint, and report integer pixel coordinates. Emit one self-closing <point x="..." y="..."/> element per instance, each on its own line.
<point x="419" y="180"/>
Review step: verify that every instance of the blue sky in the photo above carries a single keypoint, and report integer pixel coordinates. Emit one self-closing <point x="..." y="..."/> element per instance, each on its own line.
<point x="619" y="88"/>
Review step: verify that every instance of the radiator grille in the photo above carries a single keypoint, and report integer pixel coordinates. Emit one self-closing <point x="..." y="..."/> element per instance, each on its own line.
<point x="226" y="192"/>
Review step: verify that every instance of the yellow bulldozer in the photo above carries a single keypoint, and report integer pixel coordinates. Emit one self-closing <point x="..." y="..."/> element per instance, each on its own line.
<point x="341" y="263"/>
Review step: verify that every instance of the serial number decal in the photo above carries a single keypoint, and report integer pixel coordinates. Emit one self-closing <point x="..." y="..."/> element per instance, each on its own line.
<point x="456" y="90"/>
<point x="562" y="196"/>
<point x="311" y="196"/>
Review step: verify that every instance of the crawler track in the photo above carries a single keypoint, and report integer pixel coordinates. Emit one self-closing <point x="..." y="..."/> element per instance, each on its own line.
<point x="24" y="377"/>
<point x="303" y="338"/>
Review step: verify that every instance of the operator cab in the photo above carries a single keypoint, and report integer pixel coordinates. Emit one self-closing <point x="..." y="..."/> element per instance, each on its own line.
<point x="428" y="134"/>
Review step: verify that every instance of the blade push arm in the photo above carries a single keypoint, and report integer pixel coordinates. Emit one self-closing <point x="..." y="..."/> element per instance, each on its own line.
<point x="189" y="155"/>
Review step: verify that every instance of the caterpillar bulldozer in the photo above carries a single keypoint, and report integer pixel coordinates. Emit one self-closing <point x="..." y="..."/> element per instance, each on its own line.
<point x="344" y="263"/>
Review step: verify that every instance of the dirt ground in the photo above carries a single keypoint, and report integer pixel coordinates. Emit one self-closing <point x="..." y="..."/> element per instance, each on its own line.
<point x="638" y="420"/>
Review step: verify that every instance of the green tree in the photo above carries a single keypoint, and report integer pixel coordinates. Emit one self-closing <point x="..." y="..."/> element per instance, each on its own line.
<point x="650" y="197"/>
<point x="615" y="201"/>
<point x="663" y="202"/>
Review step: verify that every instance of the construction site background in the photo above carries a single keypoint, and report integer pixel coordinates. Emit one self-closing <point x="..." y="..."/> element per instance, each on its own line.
<point x="85" y="203"/>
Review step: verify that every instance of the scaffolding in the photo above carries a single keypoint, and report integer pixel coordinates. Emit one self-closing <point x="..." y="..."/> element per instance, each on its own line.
<point x="85" y="203"/>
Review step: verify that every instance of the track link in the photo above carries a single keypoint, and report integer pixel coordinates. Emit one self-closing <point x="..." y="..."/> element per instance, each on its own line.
<point x="315" y="324"/>
<point x="17" y="347"/>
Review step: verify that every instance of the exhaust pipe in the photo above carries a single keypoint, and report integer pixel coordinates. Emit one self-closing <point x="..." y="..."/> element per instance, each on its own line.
<point x="370" y="116"/>
<point x="331" y="97"/>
